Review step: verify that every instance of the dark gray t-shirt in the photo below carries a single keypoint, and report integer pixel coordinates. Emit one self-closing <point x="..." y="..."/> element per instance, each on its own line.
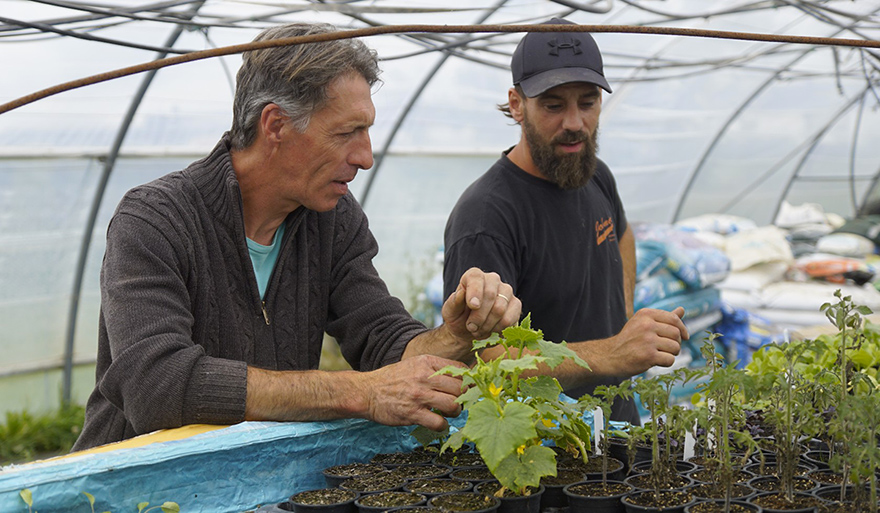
<point x="557" y="248"/>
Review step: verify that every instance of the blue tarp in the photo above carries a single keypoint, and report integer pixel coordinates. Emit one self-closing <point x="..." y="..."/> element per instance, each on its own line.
<point x="226" y="470"/>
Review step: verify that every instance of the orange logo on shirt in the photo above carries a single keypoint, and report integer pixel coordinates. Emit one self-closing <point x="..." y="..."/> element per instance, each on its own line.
<point x="604" y="231"/>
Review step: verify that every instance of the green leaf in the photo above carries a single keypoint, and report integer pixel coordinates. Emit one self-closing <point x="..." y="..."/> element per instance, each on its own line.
<point x="492" y="340"/>
<point x="452" y="370"/>
<point x="517" y="365"/>
<point x="170" y="507"/>
<point x="517" y="471"/>
<point x="27" y="497"/>
<point x="472" y="395"/>
<point x="426" y="436"/>
<point x="90" y="497"/>
<point x="142" y="505"/>
<point x="555" y="353"/>
<point x="543" y="388"/>
<point x="498" y="434"/>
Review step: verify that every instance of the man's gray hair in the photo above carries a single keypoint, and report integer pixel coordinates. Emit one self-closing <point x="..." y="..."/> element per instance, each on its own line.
<point x="294" y="77"/>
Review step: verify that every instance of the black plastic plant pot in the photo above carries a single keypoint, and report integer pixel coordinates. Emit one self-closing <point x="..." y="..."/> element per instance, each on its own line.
<point x="383" y="501"/>
<point x="713" y="491"/>
<point x="774" y="502"/>
<point x="436" y="486"/>
<point x="596" y="496"/>
<point x="667" y="501"/>
<point x="475" y="475"/>
<point x="465" y="501"/>
<point x="458" y="460"/>
<point x="384" y="481"/>
<point x="772" y="484"/>
<point x="553" y="496"/>
<point x="280" y="507"/>
<point x="614" y="472"/>
<point x="707" y="506"/>
<point x="430" y="470"/>
<point x="642" y="482"/>
<point x="681" y="466"/>
<point x="817" y="457"/>
<point x="510" y="502"/>
<point x="327" y="500"/>
<point x="335" y="475"/>
<point x="393" y="460"/>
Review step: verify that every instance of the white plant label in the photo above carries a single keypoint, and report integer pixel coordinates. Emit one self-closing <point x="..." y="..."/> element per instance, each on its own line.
<point x="598" y="430"/>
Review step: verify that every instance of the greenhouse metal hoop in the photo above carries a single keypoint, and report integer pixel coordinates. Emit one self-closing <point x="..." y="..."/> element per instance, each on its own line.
<point x="154" y="65"/>
<point x="417" y="29"/>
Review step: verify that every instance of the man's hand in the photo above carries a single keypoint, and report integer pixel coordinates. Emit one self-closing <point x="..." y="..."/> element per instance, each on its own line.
<point x="651" y="337"/>
<point x="401" y="394"/>
<point x="482" y="304"/>
<point x="407" y="392"/>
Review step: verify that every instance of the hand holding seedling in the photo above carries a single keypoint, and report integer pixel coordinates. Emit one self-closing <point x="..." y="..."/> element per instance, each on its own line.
<point x="411" y="392"/>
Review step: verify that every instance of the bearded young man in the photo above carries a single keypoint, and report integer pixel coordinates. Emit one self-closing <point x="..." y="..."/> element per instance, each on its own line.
<point x="548" y="219"/>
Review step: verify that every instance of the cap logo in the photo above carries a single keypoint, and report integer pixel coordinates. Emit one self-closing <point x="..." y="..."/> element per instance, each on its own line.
<point x="564" y="43"/>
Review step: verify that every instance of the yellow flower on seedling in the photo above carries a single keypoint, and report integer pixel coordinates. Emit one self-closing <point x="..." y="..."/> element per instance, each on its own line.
<point x="495" y="391"/>
<point x="547" y="423"/>
<point x="521" y="449"/>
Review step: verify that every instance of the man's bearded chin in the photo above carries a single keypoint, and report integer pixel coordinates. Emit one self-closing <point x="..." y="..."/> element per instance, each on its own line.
<point x="567" y="170"/>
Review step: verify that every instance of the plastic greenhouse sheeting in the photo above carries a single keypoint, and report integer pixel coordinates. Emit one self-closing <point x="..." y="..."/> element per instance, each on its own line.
<point x="695" y="125"/>
<point x="231" y="469"/>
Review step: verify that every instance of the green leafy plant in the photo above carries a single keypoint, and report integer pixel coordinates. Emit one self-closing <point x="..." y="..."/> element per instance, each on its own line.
<point x="167" y="507"/>
<point x="509" y="415"/>
<point x="606" y="395"/>
<point x="786" y="398"/>
<point x="667" y="425"/>
<point x="723" y="417"/>
<point x="25" y="436"/>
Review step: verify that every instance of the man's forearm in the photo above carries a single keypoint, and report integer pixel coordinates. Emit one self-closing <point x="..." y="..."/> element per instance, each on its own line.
<point x="303" y="395"/>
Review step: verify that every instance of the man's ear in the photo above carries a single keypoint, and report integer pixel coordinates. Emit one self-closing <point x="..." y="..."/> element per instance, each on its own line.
<point x="516" y="104"/>
<point x="272" y="121"/>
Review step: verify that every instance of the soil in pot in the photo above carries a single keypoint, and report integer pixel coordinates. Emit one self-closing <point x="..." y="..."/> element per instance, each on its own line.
<point x="681" y="466"/>
<point x="668" y="501"/>
<point x="337" y="474"/>
<point x="465" y="501"/>
<point x="474" y="474"/>
<point x="553" y="496"/>
<point x="596" y="496"/>
<point x="383" y="501"/>
<point x="510" y="501"/>
<point x="422" y="471"/>
<point x="717" y="491"/>
<point x="825" y="477"/>
<point x="593" y="468"/>
<point x="460" y="460"/>
<point x="771" y="484"/>
<point x="718" y="507"/>
<point x="703" y="475"/>
<point x="326" y="500"/>
<point x="435" y="486"/>
<point x="669" y="482"/>
<point x="817" y="457"/>
<point x="381" y="482"/>
<point x="775" y="502"/>
<point x="396" y="459"/>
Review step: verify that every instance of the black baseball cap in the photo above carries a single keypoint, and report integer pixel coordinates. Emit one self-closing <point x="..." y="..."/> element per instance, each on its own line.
<point x="543" y="60"/>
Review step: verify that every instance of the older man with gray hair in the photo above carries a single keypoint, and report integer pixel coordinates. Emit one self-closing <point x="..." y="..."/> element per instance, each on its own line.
<point x="220" y="280"/>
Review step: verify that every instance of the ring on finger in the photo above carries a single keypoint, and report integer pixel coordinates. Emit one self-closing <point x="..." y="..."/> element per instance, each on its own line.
<point x="505" y="297"/>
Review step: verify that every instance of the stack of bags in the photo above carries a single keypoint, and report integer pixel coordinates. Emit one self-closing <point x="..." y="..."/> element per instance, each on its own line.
<point x="784" y="273"/>
<point x="675" y="268"/>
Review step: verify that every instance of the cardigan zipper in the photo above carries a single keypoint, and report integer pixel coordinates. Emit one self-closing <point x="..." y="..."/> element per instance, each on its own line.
<point x="265" y="313"/>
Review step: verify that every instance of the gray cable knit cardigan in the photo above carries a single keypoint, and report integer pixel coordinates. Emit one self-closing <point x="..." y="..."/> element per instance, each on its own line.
<point x="181" y="316"/>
